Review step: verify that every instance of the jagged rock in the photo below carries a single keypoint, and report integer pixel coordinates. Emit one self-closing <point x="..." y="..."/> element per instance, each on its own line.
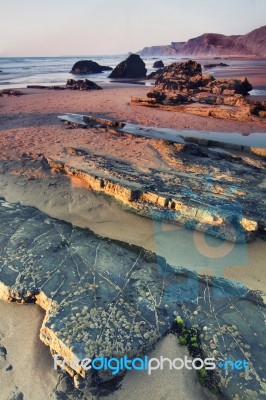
<point x="132" y="67"/>
<point x="82" y="85"/>
<point x="88" y="67"/>
<point x="158" y="64"/>
<point x="215" y="65"/>
<point x="184" y="83"/>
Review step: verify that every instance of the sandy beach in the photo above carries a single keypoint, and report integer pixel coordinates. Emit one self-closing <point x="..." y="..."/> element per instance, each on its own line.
<point x="30" y="129"/>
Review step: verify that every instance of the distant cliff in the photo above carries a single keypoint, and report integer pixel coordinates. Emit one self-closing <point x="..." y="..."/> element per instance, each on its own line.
<point x="214" y="44"/>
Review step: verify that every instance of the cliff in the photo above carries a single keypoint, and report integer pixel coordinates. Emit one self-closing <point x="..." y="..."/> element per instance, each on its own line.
<point x="214" y="44"/>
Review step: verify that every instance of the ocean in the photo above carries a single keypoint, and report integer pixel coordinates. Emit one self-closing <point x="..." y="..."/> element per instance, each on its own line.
<point x="18" y="72"/>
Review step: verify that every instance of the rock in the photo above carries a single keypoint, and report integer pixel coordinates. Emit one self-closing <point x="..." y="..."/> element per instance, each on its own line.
<point x="215" y="65"/>
<point x="10" y="93"/>
<point x="71" y="84"/>
<point x="3" y="351"/>
<point x="54" y="87"/>
<point x="184" y="83"/>
<point x="16" y="396"/>
<point x="88" y="67"/>
<point x="95" y="280"/>
<point x="132" y="67"/>
<point x="231" y="86"/>
<point x="158" y="64"/>
<point x="82" y="85"/>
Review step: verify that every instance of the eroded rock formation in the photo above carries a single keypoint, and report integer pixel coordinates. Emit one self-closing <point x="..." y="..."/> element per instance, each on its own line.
<point x="184" y="85"/>
<point x="199" y="191"/>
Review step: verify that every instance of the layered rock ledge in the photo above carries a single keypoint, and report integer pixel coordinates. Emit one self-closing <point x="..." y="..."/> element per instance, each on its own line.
<point x="223" y="199"/>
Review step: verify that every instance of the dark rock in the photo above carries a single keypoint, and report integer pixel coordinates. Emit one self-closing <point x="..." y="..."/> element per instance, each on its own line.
<point x="184" y="83"/>
<point x="16" y="396"/>
<point x="216" y="65"/>
<point x="132" y="67"/>
<point x="55" y="87"/>
<point x="3" y="351"/>
<point x="88" y="67"/>
<point x="155" y="74"/>
<point x="82" y="85"/>
<point x="10" y="93"/>
<point x="158" y="64"/>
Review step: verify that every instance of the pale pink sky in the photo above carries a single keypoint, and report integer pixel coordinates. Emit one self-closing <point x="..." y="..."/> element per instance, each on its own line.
<point x="82" y="27"/>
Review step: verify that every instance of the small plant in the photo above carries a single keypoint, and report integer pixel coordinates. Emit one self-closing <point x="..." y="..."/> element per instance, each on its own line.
<point x="182" y="340"/>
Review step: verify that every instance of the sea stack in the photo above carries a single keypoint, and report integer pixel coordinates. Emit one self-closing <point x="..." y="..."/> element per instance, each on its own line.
<point x="132" y="67"/>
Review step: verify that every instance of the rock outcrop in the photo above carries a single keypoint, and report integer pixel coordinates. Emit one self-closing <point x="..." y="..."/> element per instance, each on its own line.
<point x="133" y="67"/>
<point x="110" y="299"/>
<point x="158" y="64"/>
<point x="211" y="44"/>
<point x="184" y="84"/>
<point x="225" y="209"/>
<point x="88" y="67"/>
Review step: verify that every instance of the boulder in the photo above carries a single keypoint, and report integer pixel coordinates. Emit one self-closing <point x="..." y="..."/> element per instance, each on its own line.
<point x="132" y="67"/>
<point x="158" y="64"/>
<point x="88" y="67"/>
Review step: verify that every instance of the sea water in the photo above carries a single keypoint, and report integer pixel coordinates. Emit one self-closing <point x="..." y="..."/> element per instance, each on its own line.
<point x="18" y="72"/>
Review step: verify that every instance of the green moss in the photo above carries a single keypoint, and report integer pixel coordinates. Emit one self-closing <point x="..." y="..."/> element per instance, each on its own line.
<point x="182" y="340"/>
<point x="180" y="321"/>
<point x="196" y="345"/>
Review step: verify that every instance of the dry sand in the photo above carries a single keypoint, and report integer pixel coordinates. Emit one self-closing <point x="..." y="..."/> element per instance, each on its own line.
<point x="29" y="124"/>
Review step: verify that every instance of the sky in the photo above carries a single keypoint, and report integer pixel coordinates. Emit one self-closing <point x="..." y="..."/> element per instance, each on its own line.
<point x="94" y="27"/>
